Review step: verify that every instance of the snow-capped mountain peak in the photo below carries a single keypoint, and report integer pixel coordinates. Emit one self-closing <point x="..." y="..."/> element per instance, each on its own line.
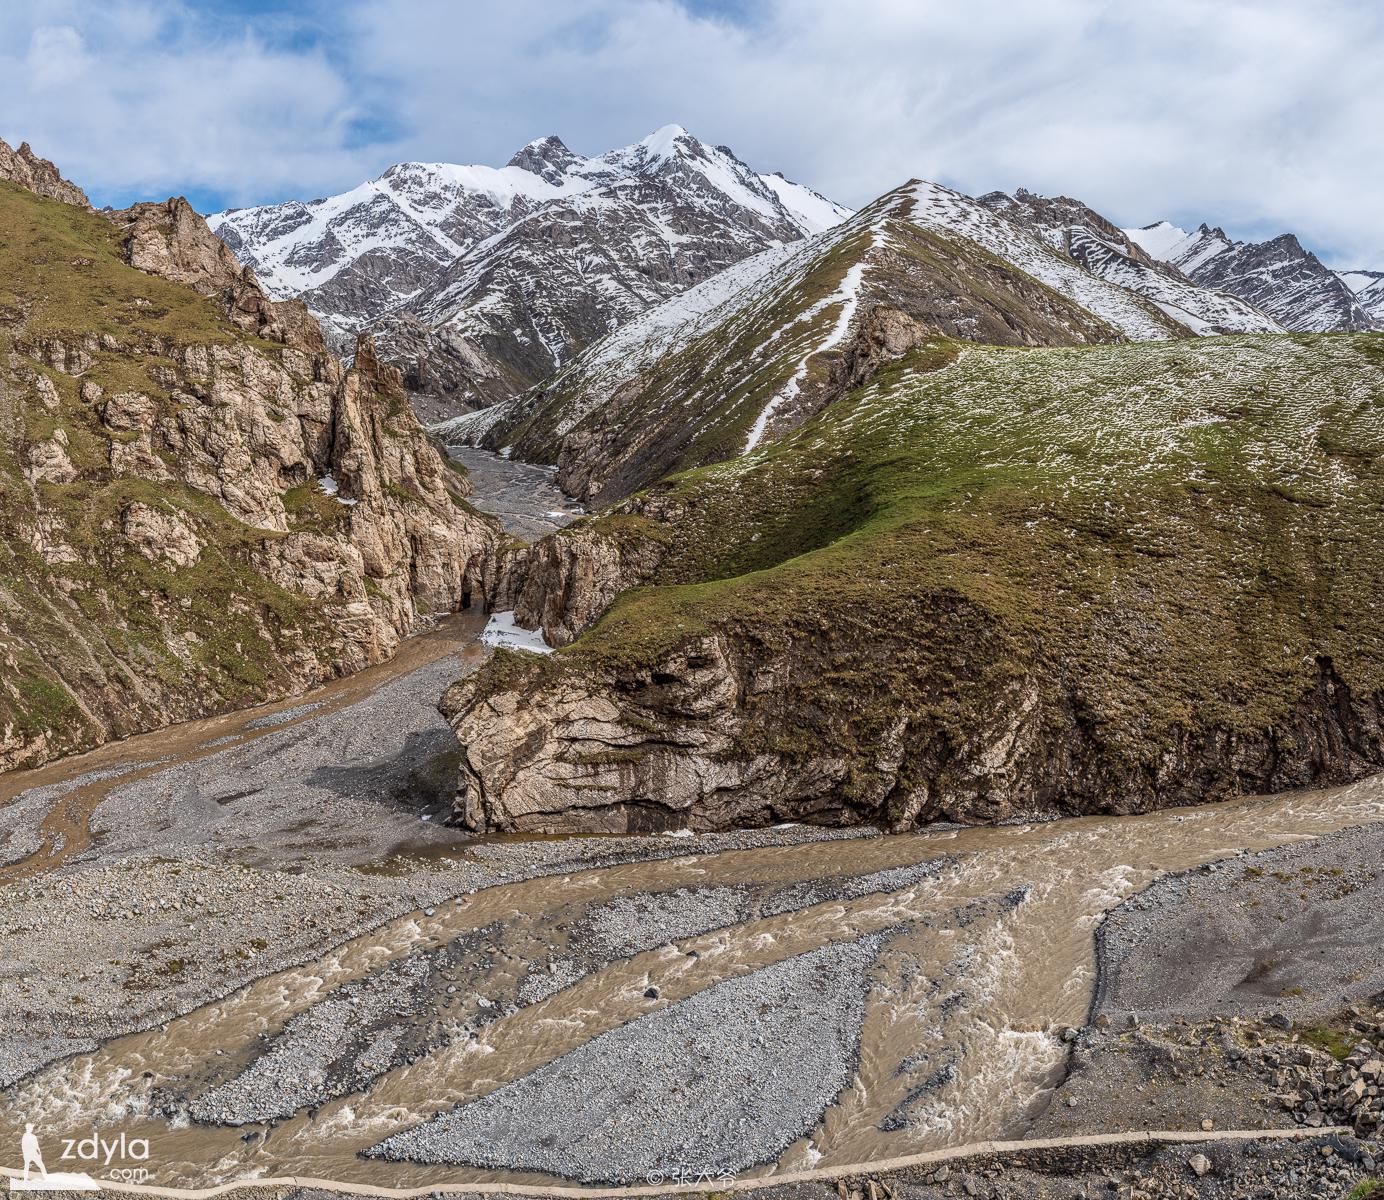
<point x="482" y="279"/>
<point x="1279" y="276"/>
<point x="549" y="158"/>
<point x="1158" y="239"/>
<point x="662" y="144"/>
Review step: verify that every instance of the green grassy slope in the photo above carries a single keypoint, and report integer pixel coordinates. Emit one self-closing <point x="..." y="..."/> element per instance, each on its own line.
<point x="1163" y="560"/>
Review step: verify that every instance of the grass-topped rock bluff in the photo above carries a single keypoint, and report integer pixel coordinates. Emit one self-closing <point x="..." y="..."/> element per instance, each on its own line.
<point x="201" y="508"/>
<point x="987" y="581"/>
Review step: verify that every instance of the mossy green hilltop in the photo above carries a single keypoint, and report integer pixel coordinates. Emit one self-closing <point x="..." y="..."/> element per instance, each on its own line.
<point x="991" y="581"/>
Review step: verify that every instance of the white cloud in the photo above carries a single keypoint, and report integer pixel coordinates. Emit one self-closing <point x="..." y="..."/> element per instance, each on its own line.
<point x="1257" y="114"/>
<point x="56" y="56"/>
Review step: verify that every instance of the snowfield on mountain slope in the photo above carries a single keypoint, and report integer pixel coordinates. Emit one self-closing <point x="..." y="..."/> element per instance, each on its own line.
<point x="941" y="208"/>
<point x="1279" y="277"/>
<point x="1368" y="287"/>
<point x="775" y="365"/>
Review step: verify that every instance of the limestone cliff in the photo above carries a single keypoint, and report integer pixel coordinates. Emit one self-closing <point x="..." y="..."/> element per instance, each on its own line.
<point x="201" y="508"/>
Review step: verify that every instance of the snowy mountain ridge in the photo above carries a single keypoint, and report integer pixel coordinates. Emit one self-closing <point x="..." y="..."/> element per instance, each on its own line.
<point x="1368" y="287"/>
<point x="553" y="249"/>
<point x="1109" y="253"/>
<point x="1279" y="276"/>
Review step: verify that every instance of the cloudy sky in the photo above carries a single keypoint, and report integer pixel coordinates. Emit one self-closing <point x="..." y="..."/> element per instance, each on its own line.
<point x="1260" y="115"/>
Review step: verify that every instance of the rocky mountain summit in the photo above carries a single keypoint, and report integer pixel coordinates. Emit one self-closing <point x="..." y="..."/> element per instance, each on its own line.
<point x="1109" y="253"/>
<point x="201" y="508"/>
<point x="482" y="281"/>
<point x="1280" y="276"/>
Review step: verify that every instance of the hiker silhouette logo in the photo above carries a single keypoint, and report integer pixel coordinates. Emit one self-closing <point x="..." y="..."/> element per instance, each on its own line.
<point x="36" y="1177"/>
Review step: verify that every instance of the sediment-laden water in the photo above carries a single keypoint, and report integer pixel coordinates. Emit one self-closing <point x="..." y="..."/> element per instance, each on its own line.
<point x="641" y="1009"/>
<point x="652" y="1018"/>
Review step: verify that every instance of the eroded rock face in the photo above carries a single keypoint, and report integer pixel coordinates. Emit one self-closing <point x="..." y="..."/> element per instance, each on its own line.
<point x="173" y="240"/>
<point x="306" y="519"/>
<point x="562" y="584"/>
<point x="25" y="168"/>
<point x="159" y="535"/>
<point x="695" y="741"/>
<point x="588" y="759"/>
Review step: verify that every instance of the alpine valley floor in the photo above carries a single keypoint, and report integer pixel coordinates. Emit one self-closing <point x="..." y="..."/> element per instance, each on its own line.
<point x="298" y="970"/>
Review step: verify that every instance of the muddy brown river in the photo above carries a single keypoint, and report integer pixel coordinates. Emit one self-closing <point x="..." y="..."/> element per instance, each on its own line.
<point x="971" y="970"/>
<point x="647" y="1009"/>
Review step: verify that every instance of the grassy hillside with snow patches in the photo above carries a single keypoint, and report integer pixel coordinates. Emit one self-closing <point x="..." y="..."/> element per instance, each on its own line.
<point x="750" y="355"/>
<point x="1161" y="560"/>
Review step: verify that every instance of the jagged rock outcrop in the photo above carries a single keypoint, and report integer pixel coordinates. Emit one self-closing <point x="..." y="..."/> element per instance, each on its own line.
<point x="201" y="507"/>
<point x="172" y="240"/>
<point x="652" y="751"/>
<point x="562" y="584"/>
<point x="38" y="175"/>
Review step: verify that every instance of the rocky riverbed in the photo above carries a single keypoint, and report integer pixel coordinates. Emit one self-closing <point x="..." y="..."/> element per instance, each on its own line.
<point x="289" y="963"/>
<point x="480" y="1009"/>
<point x="522" y="495"/>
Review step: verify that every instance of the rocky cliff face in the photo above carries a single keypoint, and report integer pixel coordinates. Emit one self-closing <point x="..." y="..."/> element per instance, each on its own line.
<point x="479" y="282"/>
<point x="685" y="742"/>
<point x="24" y="168"/>
<point x="1015" y="582"/>
<point x="201" y="507"/>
